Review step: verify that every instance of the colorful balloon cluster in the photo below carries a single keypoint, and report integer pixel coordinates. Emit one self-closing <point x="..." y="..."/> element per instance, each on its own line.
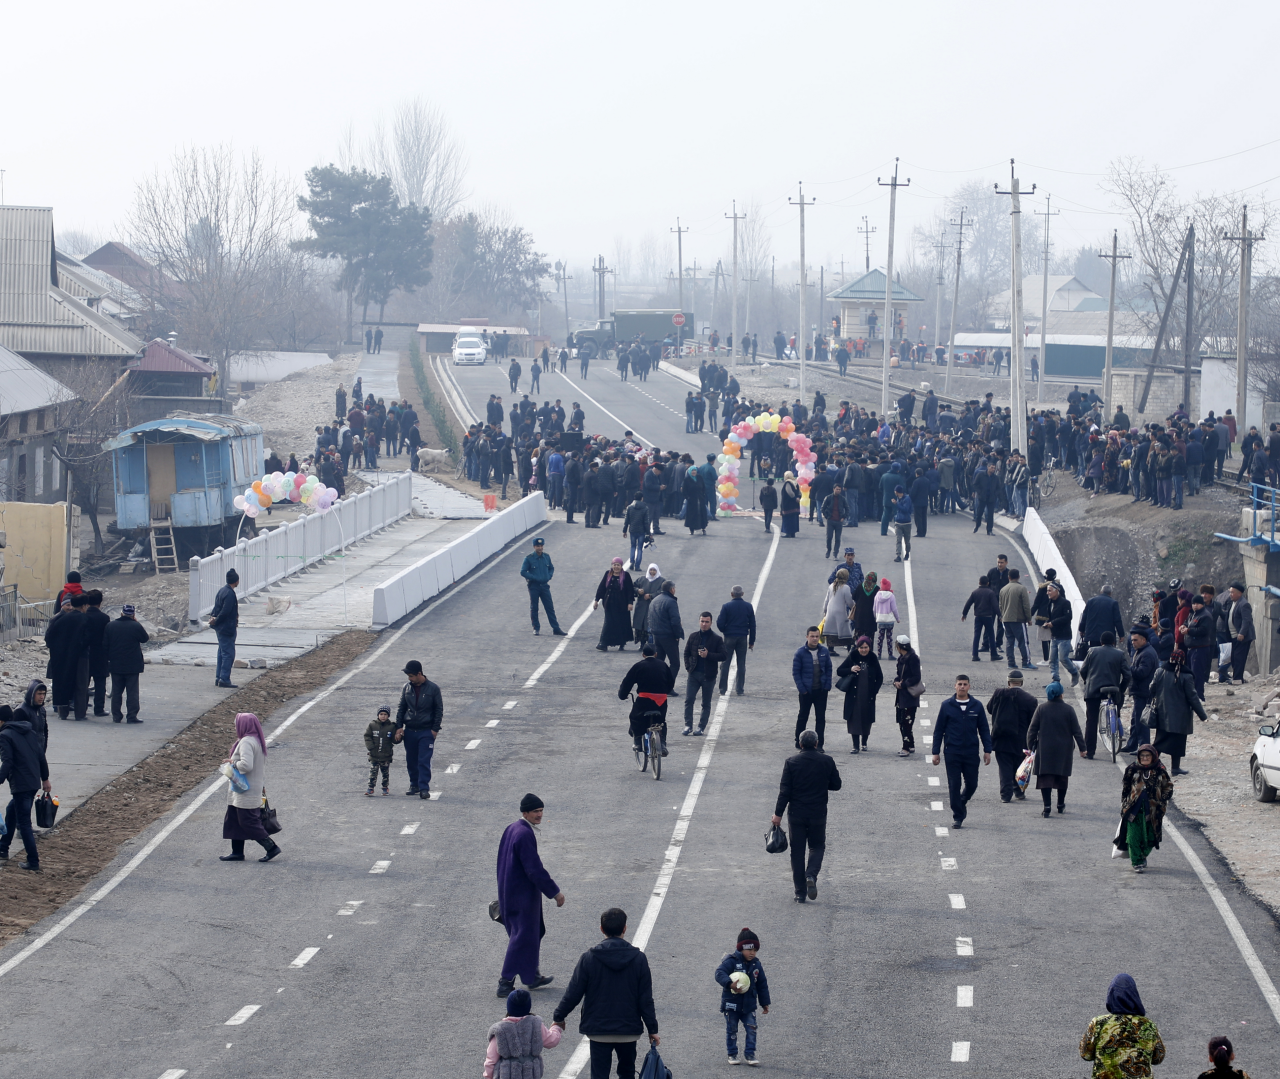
<point x="740" y="435"/>
<point x="282" y="486"/>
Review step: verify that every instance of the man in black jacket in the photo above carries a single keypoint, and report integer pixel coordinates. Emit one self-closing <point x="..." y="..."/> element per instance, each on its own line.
<point x="32" y="710"/>
<point x="703" y="654"/>
<point x="652" y="680"/>
<point x="95" y="623"/>
<point x="802" y="795"/>
<point x="614" y="984"/>
<point x="23" y="764"/>
<point x="997" y="578"/>
<point x="987" y="490"/>
<point x="1101" y="615"/>
<point x="986" y="607"/>
<point x="1011" y="710"/>
<point x="123" y="640"/>
<point x="962" y="725"/>
<point x="225" y="619"/>
<point x="1104" y="666"/>
<point x="418" y="721"/>
<point x="1143" y="667"/>
<point x="572" y="483"/>
<point x="68" y="646"/>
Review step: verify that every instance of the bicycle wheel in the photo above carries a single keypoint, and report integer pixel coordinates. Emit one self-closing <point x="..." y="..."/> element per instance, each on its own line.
<point x="1048" y="481"/>
<point x="1117" y="733"/>
<point x="1035" y="496"/>
<point x="1107" y="728"/>
<point x="655" y="752"/>
<point x="642" y="754"/>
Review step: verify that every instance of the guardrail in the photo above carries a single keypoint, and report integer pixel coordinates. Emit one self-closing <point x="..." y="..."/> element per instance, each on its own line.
<point x="18" y="618"/>
<point x="281" y="552"/>
<point x="1045" y="551"/>
<point x="1261" y="517"/>
<point x="414" y="585"/>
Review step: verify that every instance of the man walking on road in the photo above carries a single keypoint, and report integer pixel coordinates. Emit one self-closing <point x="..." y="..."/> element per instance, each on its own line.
<point x="665" y="627"/>
<point x="23" y="764"/>
<point x="703" y="652"/>
<point x="1011" y="710"/>
<point x="418" y="720"/>
<point x="123" y="640"/>
<point x="522" y="882"/>
<point x="962" y="721"/>
<point x="811" y="672"/>
<point x="737" y="621"/>
<point x="615" y="986"/>
<point x="807" y="779"/>
<point x="1015" y="613"/>
<point x="1105" y="666"/>
<point x="834" y="510"/>
<point x="224" y="618"/>
<point x="1101" y="615"/>
<point x="537" y="572"/>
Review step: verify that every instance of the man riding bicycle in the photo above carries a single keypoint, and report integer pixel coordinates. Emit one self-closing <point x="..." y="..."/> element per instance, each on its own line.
<point x="652" y="680"/>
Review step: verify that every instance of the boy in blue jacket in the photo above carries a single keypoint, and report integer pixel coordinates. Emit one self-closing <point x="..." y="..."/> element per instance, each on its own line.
<point x="739" y="1003"/>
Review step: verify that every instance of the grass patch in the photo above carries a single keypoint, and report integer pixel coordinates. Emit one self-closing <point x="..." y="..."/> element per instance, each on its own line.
<point x="434" y="406"/>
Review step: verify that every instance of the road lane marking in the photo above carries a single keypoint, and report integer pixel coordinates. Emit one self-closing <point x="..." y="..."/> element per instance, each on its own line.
<point x="559" y="649"/>
<point x="506" y="707"/>
<point x="957" y="901"/>
<point x="911" y="608"/>
<point x="451" y="770"/>
<point x="380" y="867"/>
<point x="934" y="781"/>
<point x="941" y="831"/>
<point x="472" y="744"/>
<point x="240" y="1016"/>
<point x="625" y="426"/>
<point x="493" y="723"/>
<point x="351" y="906"/>
<point x="949" y="863"/>
<point x="219" y="785"/>
<point x="959" y="1052"/>
<point x="434" y="796"/>
<point x="304" y="957"/>
<point x="411" y="827"/>
<point x="964" y="945"/>
<point x="964" y="996"/>
<point x="936" y="806"/>
<point x="649" y="919"/>
<point x="174" y="1073"/>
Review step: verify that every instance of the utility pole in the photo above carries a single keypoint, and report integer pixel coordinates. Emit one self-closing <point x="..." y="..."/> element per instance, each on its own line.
<point x="1044" y="299"/>
<point x="1245" y="240"/>
<point x="600" y="269"/>
<point x="866" y="232"/>
<point x="804" y="287"/>
<point x="1191" y="306"/>
<point x="940" y="247"/>
<point x="680" y="277"/>
<point x="733" y="329"/>
<point x="562" y="280"/>
<point x="746" y="326"/>
<point x="1164" y="320"/>
<point x="893" y="186"/>
<point x="822" y="298"/>
<point x="1114" y="258"/>
<point x="715" y="292"/>
<point x="955" y="302"/>
<point x="1018" y="411"/>
<point x="693" y="302"/>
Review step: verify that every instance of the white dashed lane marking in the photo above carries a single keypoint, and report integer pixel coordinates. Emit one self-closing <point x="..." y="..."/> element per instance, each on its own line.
<point x="964" y="945"/>
<point x="949" y="863"/>
<point x="243" y="1014"/>
<point x="411" y="827"/>
<point x="304" y="957"/>
<point x="957" y="901"/>
<point x="934" y="781"/>
<point x="380" y="867"/>
<point x="959" y="1052"/>
<point x="964" y="996"/>
<point x="472" y="744"/>
<point x="351" y="906"/>
<point x="452" y="769"/>
<point x="936" y="806"/>
<point x="493" y="723"/>
<point x="509" y="705"/>
<point x="174" y="1073"/>
<point x="941" y="831"/>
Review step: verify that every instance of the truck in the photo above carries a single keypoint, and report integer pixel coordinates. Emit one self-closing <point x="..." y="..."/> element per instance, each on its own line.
<point x="625" y="326"/>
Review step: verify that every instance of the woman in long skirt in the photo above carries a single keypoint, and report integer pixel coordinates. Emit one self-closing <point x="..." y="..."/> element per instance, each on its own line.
<point x="789" y="514"/>
<point x="646" y="590"/>
<point x="243" y="818"/>
<point x="1144" y="796"/>
<point x="617" y="592"/>
<point x="864" y="613"/>
<point x="1054" y="728"/>
<point x="836" y="608"/>
<point x="864" y="668"/>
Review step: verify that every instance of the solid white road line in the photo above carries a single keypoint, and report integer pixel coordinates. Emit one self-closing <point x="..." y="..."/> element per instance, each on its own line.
<point x="380" y="867"/>
<point x="304" y="957"/>
<point x="243" y="1014"/>
<point x="964" y="945"/>
<point x="625" y="426"/>
<point x="434" y="796"/>
<point x="957" y="901"/>
<point x="911" y="607"/>
<point x="411" y="827"/>
<point x="559" y="649"/>
<point x="493" y="723"/>
<point x="659" y="894"/>
<point x="959" y="1052"/>
<point x="472" y="744"/>
<point x="964" y="996"/>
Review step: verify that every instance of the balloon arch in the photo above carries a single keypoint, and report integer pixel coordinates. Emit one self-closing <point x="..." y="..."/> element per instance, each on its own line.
<point x="728" y="460"/>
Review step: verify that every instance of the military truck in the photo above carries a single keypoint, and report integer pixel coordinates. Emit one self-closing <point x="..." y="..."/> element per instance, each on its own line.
<point x="625" y="326"/>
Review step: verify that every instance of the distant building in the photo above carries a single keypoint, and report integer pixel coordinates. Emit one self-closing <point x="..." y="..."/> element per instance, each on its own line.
<point x="862" y="307"/>
<point x="29" y="400"/>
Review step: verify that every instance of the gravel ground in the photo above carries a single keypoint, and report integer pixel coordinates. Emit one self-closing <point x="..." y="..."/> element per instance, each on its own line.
<point x="290" y="410"/>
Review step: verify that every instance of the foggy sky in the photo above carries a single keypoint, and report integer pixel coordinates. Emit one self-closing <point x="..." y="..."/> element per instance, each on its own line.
<point x="587" y="120"/>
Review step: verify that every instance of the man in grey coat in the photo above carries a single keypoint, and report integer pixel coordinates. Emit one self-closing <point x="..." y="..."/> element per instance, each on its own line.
<point x="664" y="625"/>
<point x="1015" y="613"/>
<point x="1238" y="616"/>
<point x="1104" y="666"/>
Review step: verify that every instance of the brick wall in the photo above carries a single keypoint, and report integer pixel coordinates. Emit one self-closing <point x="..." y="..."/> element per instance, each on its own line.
<point x="1162" y="401"/>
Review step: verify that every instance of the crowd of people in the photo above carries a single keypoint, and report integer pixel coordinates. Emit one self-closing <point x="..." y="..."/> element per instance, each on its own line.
<point x="356" y="438"/>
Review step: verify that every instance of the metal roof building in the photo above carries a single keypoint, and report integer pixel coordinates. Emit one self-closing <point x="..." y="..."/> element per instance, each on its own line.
<point x="39" y="318"/>
<point x="25" y="388"/>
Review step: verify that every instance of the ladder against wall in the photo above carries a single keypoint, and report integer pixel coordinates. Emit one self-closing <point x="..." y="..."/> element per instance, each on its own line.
<point x="164" y="554"/>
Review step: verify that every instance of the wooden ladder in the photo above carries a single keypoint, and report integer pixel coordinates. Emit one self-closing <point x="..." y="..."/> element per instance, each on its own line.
<point x="164" y="553"/>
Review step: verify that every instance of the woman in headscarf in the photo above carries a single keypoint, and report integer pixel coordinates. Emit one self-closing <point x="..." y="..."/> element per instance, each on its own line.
<point x="862" y="668"/>
<point x="695" y="501"/>
<point x="789" y="513"/>
<point x="1144" y="796"/>
<point x="646" y="590"/>
<point x="906" y="704"/>
<point x="864" y="613"/>
<point x="1174" y="700"/>
<point x="837" y="604"/>
<point x="617" y="592"/>
<point x="1054" y="727"/>
<point x="1124" y="1043"/>
<point x="1180" y="616"/>
<point x="243" y="819"/>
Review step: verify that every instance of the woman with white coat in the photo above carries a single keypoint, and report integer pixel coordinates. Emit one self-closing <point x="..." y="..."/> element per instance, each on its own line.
<point x="244" y="807"/>
<point x="885" y="606"/>
<point x="836" y="609"/>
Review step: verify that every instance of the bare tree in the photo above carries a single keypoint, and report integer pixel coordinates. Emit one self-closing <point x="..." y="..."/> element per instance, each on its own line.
<point x="218" y="226"/>
<point x="419" y="153"/>
<point x="79" y="242"/>
<point x="622" y="257"/>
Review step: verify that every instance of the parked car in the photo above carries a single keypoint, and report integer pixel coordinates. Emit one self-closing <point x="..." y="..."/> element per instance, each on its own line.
<point x="1264" y="765"/>
<point x="469" y="350"/>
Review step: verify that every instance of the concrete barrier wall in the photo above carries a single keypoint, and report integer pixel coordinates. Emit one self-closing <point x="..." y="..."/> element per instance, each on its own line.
<point x="424" y="580"/>
<point x="1045" y="551"/>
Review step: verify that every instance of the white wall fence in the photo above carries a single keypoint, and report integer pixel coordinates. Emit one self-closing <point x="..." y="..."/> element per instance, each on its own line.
<point x="281" y="552"/>
<point x="1035" y="534"/>
<point x="414" y="585"/>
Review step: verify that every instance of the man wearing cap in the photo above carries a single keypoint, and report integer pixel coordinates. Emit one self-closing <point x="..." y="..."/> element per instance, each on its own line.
<point x="123" y="640"/>
<point x="418" y="721"/>
<point x="65" y="639"/>
<point x="522" y="881"/>
<point x="537" y="572"/>
<point x="850" y="564"/>
<point x="961" y="723"/>
<point x="1237" y="614"/>
<point x="1142" y="668"/>
<point x="807" y="780"/>
<point x="1011" y="710"/>
<point x="224" y="618"/>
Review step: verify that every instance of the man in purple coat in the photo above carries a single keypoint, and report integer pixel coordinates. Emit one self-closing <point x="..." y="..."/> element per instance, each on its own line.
<point x="522" y="882"/>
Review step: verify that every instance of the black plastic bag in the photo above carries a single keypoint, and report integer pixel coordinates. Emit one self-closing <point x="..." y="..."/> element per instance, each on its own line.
<point x="46" y="810"/>
<point x="775" y="840"/>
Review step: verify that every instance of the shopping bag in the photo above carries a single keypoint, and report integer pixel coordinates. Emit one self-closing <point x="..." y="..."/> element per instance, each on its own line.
<point x="775" y="840"/>
<point x="237" y="780"/>
<point x="1023" y="775"/>
<point x="653" y="1068"/>
<point x="46" y="810"/>
<point x="270" y="822"/>
<point x="1119" y="842"/>
<point x="1224" y="654"/>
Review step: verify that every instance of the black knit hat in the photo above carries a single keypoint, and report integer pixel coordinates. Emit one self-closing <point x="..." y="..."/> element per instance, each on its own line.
<point x="529" y="803"/>
<point x="748" y="937"/>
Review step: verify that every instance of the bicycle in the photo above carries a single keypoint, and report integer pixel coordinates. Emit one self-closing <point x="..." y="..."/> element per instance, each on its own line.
<point x="1110" y="729"/>
<point x="649" y="751"/>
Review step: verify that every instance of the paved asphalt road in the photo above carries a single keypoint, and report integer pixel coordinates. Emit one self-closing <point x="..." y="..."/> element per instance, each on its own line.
<point x="865" y="980"/>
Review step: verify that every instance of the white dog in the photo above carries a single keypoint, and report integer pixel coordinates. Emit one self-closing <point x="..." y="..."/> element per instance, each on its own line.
<point x="434" y="458"/>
